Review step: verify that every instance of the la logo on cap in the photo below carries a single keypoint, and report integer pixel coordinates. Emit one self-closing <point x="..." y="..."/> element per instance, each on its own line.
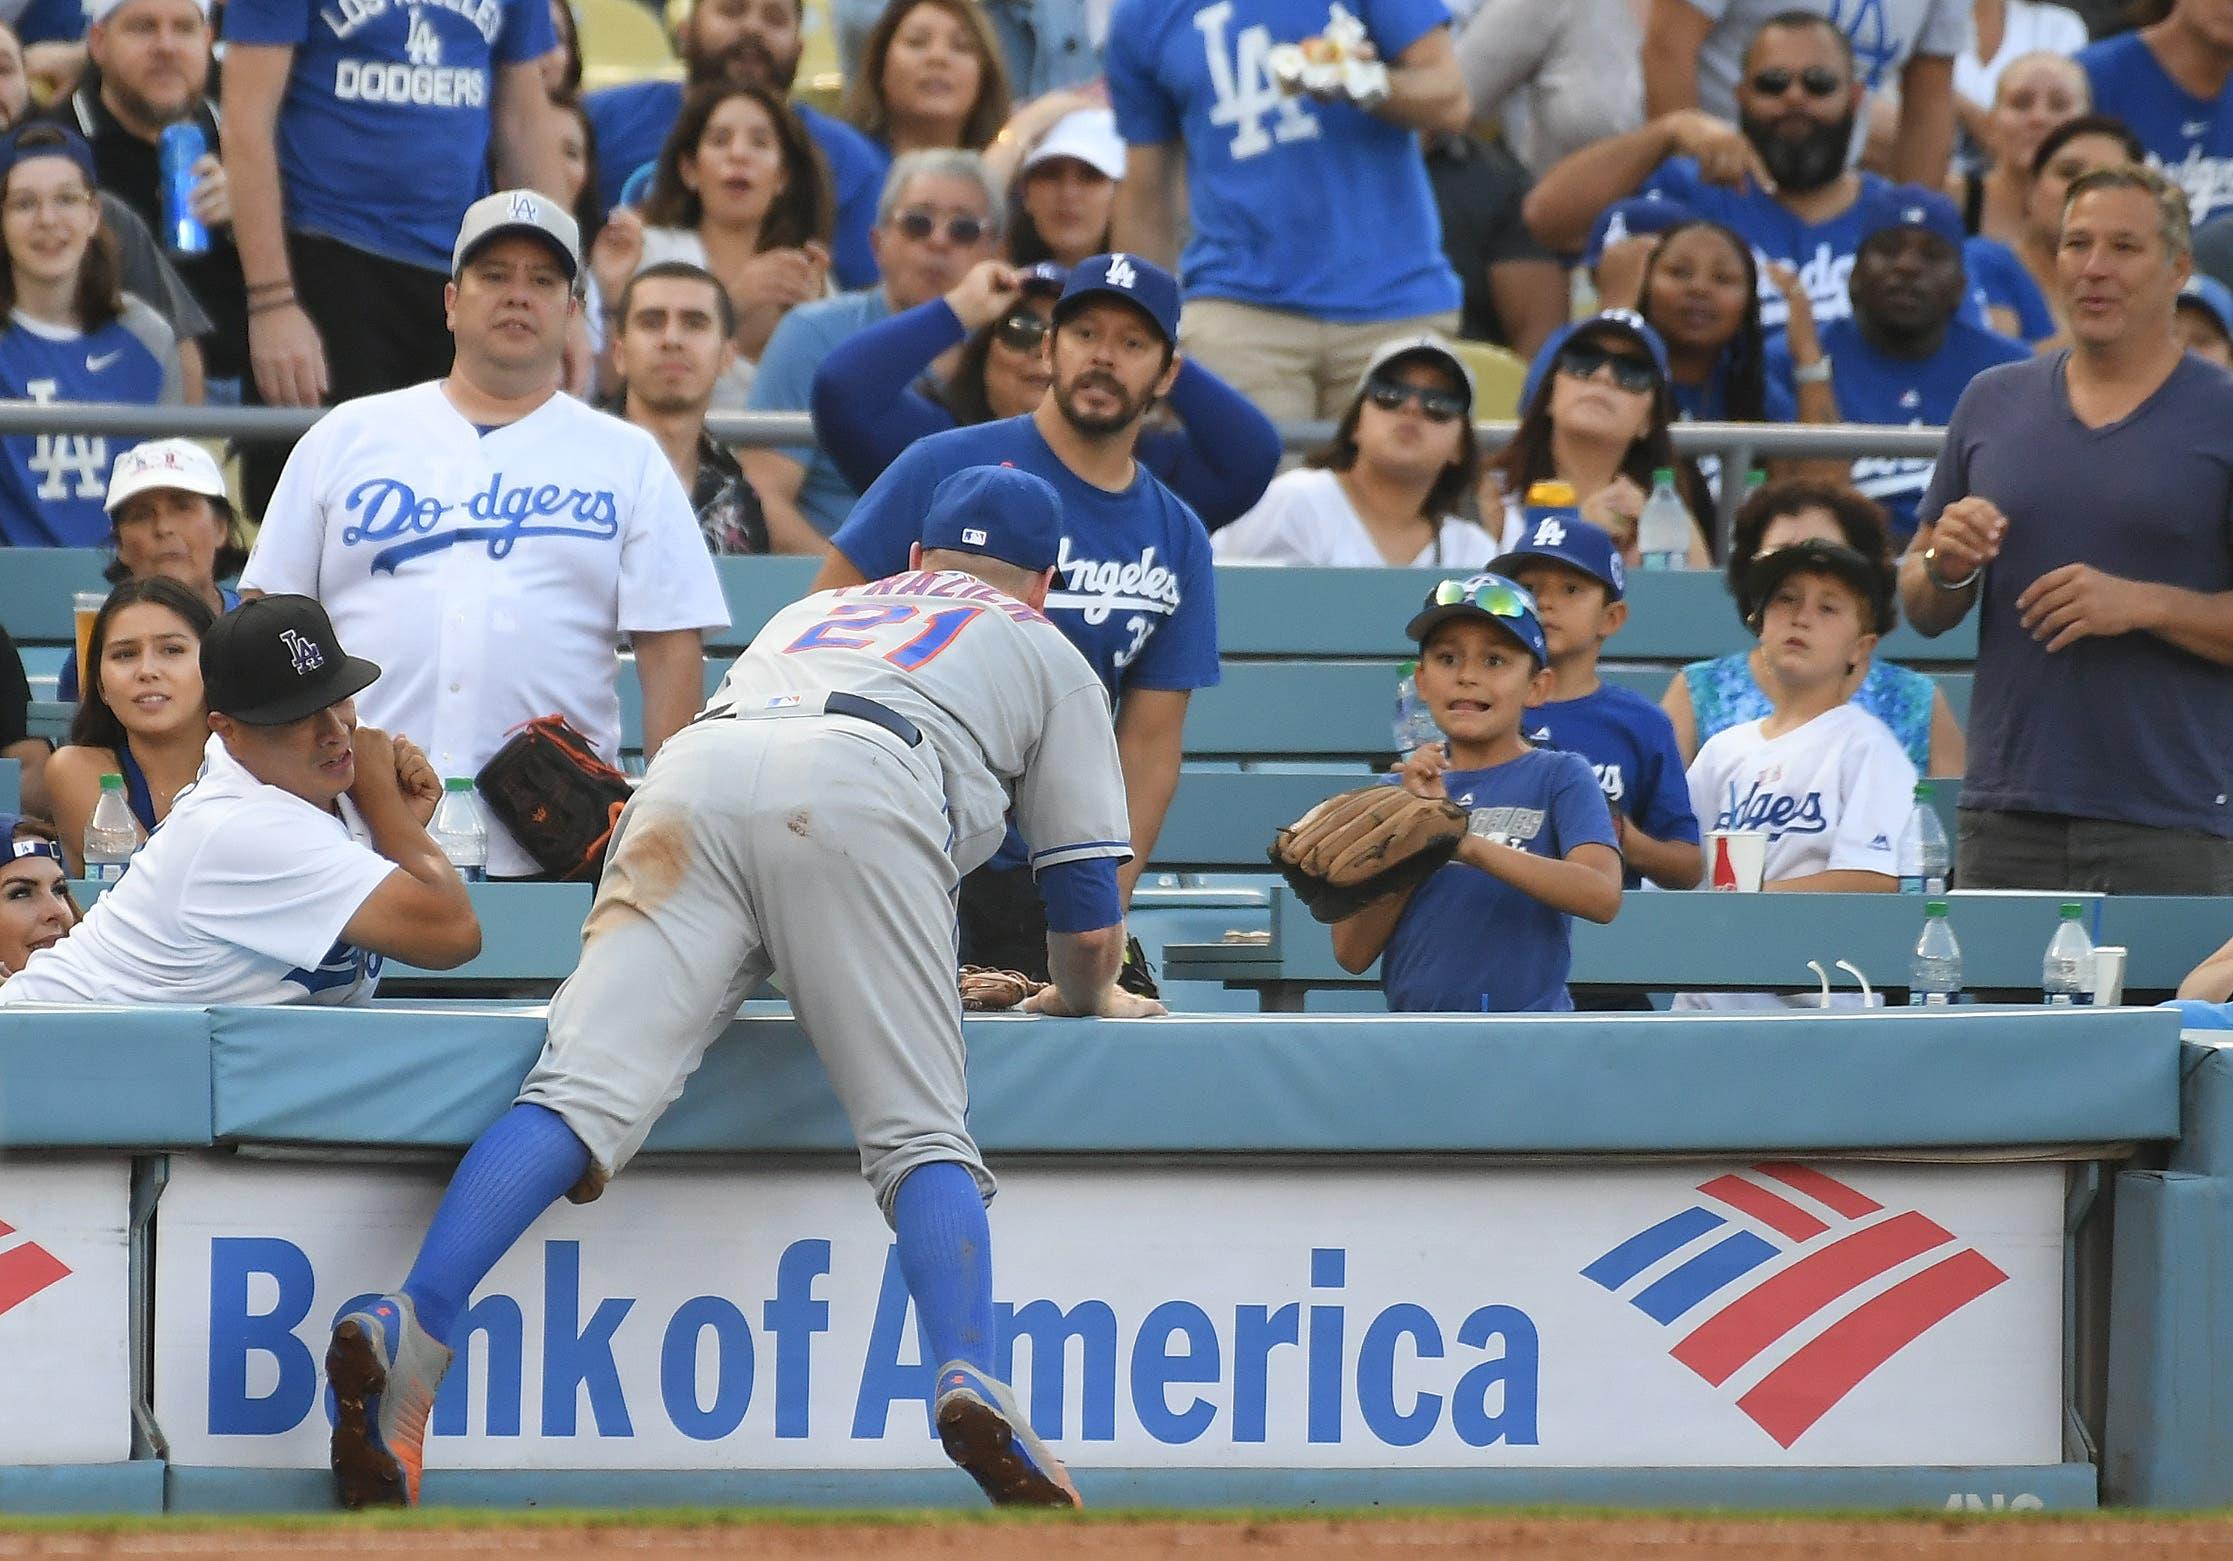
<point x="972" y="536"/>
<point x="524" y="207"/>
<point x="1912" y="214"/>
<point x="306" y="653"/>
<point x="1550" y="534"/>
<point x="1121" y="273"/>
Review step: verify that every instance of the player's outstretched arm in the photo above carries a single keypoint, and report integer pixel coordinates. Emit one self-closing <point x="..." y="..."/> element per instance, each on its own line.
<point x="1084" y="966"/>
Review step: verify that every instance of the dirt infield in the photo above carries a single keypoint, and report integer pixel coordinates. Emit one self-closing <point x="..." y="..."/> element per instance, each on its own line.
<point x="1592" y="1538"/>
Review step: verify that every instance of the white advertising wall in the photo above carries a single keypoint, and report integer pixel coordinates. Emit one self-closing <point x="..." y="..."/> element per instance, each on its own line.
<point x="1724" y="1315"/>
<point x="65" y="1361"/>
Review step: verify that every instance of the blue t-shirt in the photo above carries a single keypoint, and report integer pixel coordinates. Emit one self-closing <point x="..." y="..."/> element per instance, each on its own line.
<point x="1629" y="744"/>
<point x="1317" y="208"/>
<point x="2127" y="728"/>
<point x="785" y="383"/>
<point x="1875" y="387"/>
<point x="2189" y="138"/>
<point x="632" y="121"/>
<point x="1997" y="279"/>
<point x="1470" y="943"/>
<point x="52" y="485"/>
<point x="1709" y="403"/>
<point x="1138" y="597"/>
<point x="1820" y="252"/>
<point x="384" y="127"/>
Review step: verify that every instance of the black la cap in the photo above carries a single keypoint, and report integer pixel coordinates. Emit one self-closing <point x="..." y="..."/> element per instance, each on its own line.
<point x="274" y="659"/>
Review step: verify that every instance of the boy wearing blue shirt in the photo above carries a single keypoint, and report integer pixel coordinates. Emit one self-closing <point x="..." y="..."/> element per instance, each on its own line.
<point x="1573" y="569"/>
<point x="1490" y="932"/>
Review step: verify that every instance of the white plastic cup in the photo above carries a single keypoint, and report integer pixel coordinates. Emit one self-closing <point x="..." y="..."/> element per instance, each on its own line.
<point x="1736" y="859"/>
<point x="2108" y="975"/>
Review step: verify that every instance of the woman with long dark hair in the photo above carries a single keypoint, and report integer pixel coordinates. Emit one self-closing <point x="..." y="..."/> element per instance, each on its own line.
<point x="931" y="75"/>
<point x="1701" y="292"/>
<point x="143" y="715"/>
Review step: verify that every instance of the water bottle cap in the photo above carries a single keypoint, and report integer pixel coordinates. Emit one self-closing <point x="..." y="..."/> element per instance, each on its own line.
<point x="112" y="783"/>
<point x="1552" y="493"/>
<point x="458" y="783"/>
<point x="2072" y="910"/>
<point x="1934" y="908"/>
<point x="1925" y="791"/>
<point x="1662" y="474"/>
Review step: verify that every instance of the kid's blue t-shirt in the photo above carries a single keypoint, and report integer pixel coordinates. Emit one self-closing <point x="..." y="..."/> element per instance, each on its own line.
<point x="1629" y="743"/>
<point x="1470" y="943"/>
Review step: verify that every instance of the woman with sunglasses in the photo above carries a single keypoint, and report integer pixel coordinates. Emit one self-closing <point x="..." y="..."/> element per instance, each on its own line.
<point x="143" y="716"/>
<point x="873" y="395"/>
<point x="36" y="910"/>
<point x="1595" y="416"/>
<point x="741" y="190"/>
<point x="1383" y="491"/>
<point x="1708" y="697"/>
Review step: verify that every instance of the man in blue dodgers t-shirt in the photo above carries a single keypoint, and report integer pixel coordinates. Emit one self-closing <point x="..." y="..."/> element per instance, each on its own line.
<point x="1778" y="178"/>
<point x="2085" y="501"/>
<point x="2169" y="83"/>
<point x="1135" y="593"/>
<point x="754" y="43"/>
<point x="1315" y="236"/>
<point x="356" y="133"/>
<point x="1904" y="355"/>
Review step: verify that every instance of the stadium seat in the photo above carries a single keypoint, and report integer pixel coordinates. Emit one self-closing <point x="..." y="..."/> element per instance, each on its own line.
<point x="621" y="41"/>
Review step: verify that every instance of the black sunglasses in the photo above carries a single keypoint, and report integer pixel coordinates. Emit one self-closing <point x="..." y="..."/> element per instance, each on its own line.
<point x="1818" y="80"/>
<point x="920" y="225"/>
<point x="1634" y="375"/>
<point x="1436" y="406"/>
<point x="1023" y="331"/>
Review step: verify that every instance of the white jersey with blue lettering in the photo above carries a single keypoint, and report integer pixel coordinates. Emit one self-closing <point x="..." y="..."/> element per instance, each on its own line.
<point x="492" y="573"/>
<point x="1016" y="714"/>
<point x="1832" y="795"/>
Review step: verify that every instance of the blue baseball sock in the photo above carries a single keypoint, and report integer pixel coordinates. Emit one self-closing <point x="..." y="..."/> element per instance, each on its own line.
<point x="945" y="1254"/>
<point x="513" y="1172"/>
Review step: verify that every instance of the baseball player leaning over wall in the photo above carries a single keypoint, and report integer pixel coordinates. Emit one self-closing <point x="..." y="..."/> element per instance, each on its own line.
<point x="813" y="822"/>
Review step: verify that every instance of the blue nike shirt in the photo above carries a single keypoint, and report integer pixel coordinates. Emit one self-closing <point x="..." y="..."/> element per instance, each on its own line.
<point x="2189" y="138"/>
<point x="52" y="486"/>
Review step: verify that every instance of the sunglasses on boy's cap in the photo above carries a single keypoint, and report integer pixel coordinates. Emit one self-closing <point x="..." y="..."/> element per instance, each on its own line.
<point x="1510" y="606"/>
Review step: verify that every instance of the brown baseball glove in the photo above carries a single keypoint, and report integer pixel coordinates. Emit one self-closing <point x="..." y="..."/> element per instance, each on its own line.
<point x="1363" y="846"/>
<point x="985" y="990"/>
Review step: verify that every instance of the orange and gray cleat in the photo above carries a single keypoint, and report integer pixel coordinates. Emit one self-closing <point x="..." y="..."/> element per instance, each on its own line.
<point x="384" y="1369"/>
<point x="988" y="1435"/>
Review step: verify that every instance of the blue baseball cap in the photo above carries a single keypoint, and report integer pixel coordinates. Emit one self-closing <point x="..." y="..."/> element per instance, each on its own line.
<point x="1045" y="277"/>
<point x="1625" y="322"/>
<point x="998" y="511"/>
<point x="1141" y="283"/>
<point x="45" y="138"/>
<point x="1490" y="597"/>
<point x="1912" y="206"/>
<point x="1634" y="217"/>
<point x="1558" y="535"/>
<point x="2211" y="296"/>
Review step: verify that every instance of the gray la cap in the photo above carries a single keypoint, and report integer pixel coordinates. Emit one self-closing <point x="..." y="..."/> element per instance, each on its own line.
<point x="519" y="211"/>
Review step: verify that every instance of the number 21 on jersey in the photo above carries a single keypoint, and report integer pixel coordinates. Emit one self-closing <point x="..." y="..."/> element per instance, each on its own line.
<point x="907" y="638"/>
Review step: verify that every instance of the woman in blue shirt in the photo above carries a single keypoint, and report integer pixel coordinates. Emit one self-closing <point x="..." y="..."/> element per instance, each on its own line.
<point x="1708" y="697"/>
<point x="874" y="395"/>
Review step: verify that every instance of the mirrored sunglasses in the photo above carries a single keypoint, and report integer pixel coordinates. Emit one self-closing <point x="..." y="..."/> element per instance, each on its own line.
<point x="1497" y="598"/>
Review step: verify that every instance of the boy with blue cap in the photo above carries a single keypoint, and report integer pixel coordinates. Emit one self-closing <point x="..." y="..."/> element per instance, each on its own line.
<point x="2204" y="321"/>
<point x="1490" y="932"/>
<point x="1574" y="570"/>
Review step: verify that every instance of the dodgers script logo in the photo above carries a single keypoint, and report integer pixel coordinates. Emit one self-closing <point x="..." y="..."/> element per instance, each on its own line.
<point x="1780" y="815"/>
<point x="1778" y="1248"/>
<point x="389" y="508"/>
<point x="25" y="1269"/>
<point x="308" y="658"/>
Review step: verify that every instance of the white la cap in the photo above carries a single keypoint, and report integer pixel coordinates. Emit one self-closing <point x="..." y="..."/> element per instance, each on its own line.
<point x="1089" y="135"/>
<point x="519" y="211"/>
<point x="99" y="11"/>
<point x="164" y="463"/>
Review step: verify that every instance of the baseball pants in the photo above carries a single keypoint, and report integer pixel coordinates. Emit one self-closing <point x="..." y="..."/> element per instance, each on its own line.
<point x="809" y="846"/>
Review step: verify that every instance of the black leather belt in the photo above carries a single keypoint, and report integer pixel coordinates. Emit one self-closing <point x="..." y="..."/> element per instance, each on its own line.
<point x="853" y="705"/>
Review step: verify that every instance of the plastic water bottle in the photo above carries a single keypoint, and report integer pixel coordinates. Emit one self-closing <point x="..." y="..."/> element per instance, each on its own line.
<point x="1936" y="978"/>
<point x="459" y="829"/>
<point x="1663" y="529"/>
<point x="1925" y="857"/>
<point x="1414" y="722"/>
<point x="2066" y="976"/>
<point x="111" y="834"/>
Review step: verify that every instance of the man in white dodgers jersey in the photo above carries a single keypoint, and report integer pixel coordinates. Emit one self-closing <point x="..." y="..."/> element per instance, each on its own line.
<point x="294" y="863"/>
<point x="488" y="538"/>
<point x="813" y="824"/>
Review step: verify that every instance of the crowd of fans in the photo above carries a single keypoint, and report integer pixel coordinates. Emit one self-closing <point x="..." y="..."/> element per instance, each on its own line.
<point x="1641" y="212"/>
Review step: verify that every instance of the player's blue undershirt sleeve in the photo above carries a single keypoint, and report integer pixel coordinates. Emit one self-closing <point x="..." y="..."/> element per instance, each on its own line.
<point x="1081" y="894"/>
<point x="866" y="407"/>
<point x="1222" y="455"/>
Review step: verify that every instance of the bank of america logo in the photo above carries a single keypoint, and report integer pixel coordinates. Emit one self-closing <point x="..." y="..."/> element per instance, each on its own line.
<point x="26" y="1268"/>
<point x="1782" y="1250"/>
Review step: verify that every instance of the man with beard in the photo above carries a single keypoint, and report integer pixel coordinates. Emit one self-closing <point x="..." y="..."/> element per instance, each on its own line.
<point x="1778" y="177"/>
<point x="151" y="59"/>
<point x="1134" y="588"/>
<point x="754" y="43"/>
<point x="1902" y="356"/>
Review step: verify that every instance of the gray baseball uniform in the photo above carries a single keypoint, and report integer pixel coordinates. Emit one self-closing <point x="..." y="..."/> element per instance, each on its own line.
<point x="814" y="822"/>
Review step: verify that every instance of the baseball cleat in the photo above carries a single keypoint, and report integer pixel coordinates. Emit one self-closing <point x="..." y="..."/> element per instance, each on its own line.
<point x="988" y="1435"/>
<point x="384" y="1369"/>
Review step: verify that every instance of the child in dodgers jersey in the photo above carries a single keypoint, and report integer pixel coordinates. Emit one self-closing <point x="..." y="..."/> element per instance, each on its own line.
<point x="1826" y="780"/>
